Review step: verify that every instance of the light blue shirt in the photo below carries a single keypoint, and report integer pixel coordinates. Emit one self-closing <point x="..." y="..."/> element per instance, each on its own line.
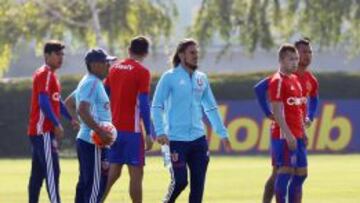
<point x="91" y="90"/>
<point x="178" y="105"/>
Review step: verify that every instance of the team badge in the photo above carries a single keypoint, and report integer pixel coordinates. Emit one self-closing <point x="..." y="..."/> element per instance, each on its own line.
<point x="200" y="82"/>
<point x="107" y="105"/>
<point x="56" y="96"/>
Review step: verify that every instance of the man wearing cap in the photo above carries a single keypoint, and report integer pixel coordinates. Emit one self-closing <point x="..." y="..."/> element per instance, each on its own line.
<point x="44" y="127"/>
<point x="92" y="106"/>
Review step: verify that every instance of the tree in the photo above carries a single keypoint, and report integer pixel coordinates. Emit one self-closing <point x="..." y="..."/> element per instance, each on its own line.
<point x="104" y="23"/>
<point x="265" y="23"/>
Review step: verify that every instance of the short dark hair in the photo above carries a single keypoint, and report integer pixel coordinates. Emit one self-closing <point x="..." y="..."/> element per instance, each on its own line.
<point x="303" y="41"/>
<point x="181" y="47"/>
<point x="53" y="46"/>
<point x="285" y="48"/>
<point x="139" y="45"/>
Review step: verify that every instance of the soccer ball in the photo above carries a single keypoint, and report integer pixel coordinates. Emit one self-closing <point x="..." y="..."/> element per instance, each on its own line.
<point x="107" y="126"/>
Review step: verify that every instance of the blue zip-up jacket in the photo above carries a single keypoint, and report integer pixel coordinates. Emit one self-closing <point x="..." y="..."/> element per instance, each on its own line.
<point x="178" y="105"/>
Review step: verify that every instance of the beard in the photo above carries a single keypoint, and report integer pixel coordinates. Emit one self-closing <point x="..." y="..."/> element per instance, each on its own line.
<point x="191" y="66"/>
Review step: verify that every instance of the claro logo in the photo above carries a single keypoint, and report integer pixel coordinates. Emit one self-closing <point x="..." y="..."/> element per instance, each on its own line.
<point x="296" y="101"/>
<point x="56" y="96"/>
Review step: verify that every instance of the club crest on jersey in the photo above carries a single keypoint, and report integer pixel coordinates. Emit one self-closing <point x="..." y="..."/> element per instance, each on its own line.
<point x="200" y="82"/>
<point x="56" y="96"/>
<point x="174" y="157"/>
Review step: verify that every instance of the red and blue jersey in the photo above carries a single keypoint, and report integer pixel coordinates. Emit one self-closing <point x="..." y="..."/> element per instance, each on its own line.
<point x="287" y="90"/>
<point x="127" y="79"/>
<point x="44" y="81"/>
<point x="310" y="87"/>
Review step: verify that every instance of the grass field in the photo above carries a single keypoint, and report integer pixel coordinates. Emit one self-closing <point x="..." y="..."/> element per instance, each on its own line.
<point x="332" y="179"/>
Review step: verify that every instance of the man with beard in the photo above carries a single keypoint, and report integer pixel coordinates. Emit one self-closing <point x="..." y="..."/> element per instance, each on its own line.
<point x="181" y="95"/>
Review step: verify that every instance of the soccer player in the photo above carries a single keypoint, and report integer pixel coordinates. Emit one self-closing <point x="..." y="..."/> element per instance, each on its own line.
<point x="44" y="127"/>
<point x="92" y="106"/>
<point x="309" y="86"/>
<point x="287" y="131"/>
<point x="181" y="96"/>
<point x="128" y="85"/>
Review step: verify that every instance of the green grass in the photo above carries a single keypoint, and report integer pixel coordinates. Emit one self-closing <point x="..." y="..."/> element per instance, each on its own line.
<point x="332" y="179"/>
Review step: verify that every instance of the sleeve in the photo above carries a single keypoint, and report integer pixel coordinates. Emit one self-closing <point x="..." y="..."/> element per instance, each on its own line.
<point x="314" y="98"/>
<point x="45" y="106"/>
<point x="275" y="90"/>
<point x="64" y="111"/>
<point x="144" y="81"/>
<point x="43" y="82"/>
<point x="161" y="95"/>
<point x="87" y="92"/>
<point x="145" y="112"/>
<point x="315" y="87"/>
<point x="261" y="89"/>
<point x="313" y="104"/>
<point x="211" y="110"/>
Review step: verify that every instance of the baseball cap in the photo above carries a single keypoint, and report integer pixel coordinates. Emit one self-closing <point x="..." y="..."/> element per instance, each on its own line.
<point x="98" y="55"/>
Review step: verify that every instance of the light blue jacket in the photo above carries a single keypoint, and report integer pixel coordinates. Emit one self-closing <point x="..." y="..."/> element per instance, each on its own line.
<point x="92" y="91"/>
<point x="178" y="105"/>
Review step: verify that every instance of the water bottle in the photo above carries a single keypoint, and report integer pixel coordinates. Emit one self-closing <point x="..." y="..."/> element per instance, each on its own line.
<point x="165" y="150"/>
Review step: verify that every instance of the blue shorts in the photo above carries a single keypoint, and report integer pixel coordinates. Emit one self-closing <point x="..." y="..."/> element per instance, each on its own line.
<point x="128" y="149"/>
<point x="282" y="156"/>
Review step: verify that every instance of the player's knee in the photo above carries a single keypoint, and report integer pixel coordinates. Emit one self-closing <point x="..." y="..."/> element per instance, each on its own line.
<point x="301" y="171"/>
<point x="181" y="184"/>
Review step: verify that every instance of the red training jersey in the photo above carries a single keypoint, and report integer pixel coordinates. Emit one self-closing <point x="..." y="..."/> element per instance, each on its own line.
<point x="126" y="80"/>
<point x="287" y="90"/>
<point x="44" y="81"/>
<point x="309" y="85"/>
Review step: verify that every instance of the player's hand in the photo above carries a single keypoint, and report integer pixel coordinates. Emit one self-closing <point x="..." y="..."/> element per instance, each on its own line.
<point x="59" y="132"/>
<point x="162" y="139"/>
<point x="306" y="140"/>
<point x="271" y="117"/>
<point x="75" y="124"/>
<point x="106" y="137"/>
<point x="307" y="122"/>
<point x="149" y="142"/>
<point x="226" y="144"/>
<point x="291" y="141"/>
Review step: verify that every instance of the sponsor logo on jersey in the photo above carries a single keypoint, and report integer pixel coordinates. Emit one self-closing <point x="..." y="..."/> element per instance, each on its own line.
<point x="56" y="96"/>
<point x="296" y="101"/>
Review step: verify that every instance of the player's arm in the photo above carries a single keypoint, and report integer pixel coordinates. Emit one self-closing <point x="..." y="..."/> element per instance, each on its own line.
<point x="211" y="110"/>
<point x="313" y="99"/>
<point x="144" y="89"/>
<point x="68" y="109"/>
<point x="161" y="95"/>
<point x="277" y="109"/>
<point x="261" y="89"/>
<point x="313" y="105"/>
<point x="46" y="108"/>
<point x="43" y="83"/>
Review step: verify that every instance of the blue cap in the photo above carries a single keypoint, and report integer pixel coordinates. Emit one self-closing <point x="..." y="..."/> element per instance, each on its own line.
<point x="98" y="55"/>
